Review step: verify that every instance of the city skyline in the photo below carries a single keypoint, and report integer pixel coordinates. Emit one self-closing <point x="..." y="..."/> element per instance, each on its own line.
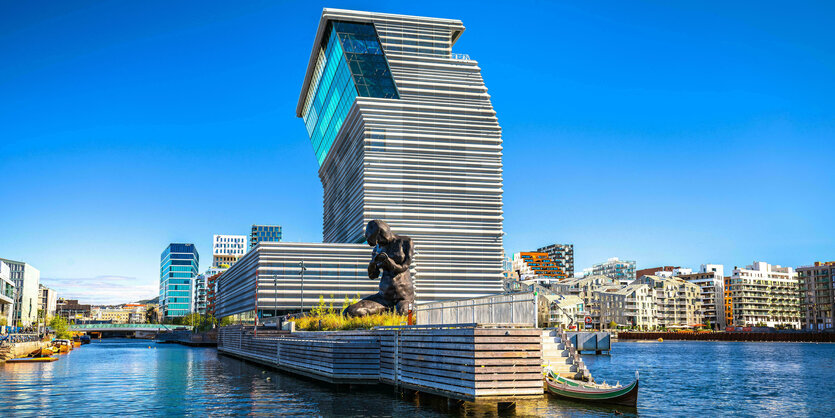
<point x="721" y="187"/>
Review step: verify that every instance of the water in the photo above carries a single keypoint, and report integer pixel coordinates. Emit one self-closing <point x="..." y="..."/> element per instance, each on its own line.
<point x="125" y="377"/>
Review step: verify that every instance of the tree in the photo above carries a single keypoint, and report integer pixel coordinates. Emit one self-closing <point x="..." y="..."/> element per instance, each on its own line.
<point x="707" y="324"/>
<point x="151" y="315"/>
<point x="60" y="327"/>
<point x="613" y="325"/>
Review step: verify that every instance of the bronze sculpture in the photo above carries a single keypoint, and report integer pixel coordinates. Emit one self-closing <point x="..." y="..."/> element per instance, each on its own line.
<point x="391" y="256"/>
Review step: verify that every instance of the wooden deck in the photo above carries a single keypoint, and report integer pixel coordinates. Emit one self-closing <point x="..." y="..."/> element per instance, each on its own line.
<point x="470" y="362"/>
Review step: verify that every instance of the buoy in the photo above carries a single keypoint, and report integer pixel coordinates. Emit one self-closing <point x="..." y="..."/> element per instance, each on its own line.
<point x="660" y="340"/>
<point x="149" y="346"/>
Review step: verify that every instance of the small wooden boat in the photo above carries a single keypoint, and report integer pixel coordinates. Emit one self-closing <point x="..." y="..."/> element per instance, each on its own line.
<point x="63" y="346"/>
<point x="592" y="392"/>
<point x="32" y="359"/>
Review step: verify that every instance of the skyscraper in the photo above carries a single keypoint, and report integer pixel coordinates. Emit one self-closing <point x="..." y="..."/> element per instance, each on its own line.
<point x="266" y="233"/>
<point x="179" y="264"/>
<point x="404" y="131"/>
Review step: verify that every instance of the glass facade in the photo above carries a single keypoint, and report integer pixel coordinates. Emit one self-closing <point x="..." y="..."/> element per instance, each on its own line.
<point x="350" y="63"/>
<point x="269" y="233"/>
<point x="179" y="264"/>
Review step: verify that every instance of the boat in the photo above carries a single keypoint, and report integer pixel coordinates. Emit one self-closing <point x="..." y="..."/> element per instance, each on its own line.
<point x="32" y="359"/>
<point x="63" y="346"/>
<point x="578" y="390"/>
<point x="85" y="339"/>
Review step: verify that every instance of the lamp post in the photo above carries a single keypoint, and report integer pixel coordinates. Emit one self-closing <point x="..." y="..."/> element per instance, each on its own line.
<point x="301" y="297"/>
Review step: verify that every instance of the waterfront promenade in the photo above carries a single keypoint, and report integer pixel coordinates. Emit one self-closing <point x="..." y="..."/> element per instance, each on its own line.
<point x="678" y="378"/>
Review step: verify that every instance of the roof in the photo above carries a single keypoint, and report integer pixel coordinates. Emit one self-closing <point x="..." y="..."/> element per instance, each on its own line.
<point x="358" y="16"/>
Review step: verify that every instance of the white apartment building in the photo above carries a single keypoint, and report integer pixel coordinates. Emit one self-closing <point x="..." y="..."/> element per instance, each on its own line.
<point x="565" y="310"/>
<point x="227" y="249"/>
<point x="621" y="270"/>
<point x="762" y="293"/>
<point x="47" y="301"/>
<point x="585" y="288"/>
<point x="7" y="294"/>
<point x="711" y="280"/>
<point x="26" y="280"/>
<point x="677" y="302"/>
<point x="632" y="306"/>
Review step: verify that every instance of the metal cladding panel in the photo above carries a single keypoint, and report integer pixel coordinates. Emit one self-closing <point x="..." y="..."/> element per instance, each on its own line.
<point x="513" y="308"/>
<point x="428" y="163"/>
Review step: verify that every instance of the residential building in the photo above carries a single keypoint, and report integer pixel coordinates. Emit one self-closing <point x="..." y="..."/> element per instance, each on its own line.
<point x="654" y="271"/>
<point x="765" y="294"/>
<point x="536" y="264"/>
<point x="817" y="295"/>
<point x="621" y="270"/>
<point x="404" y="131"/>
<point x="211" y="293"/>
<point x="26" y="280"/>
<point x="271" y="280"/>
<point x="268" y="233"/>
<point x="227" y="249"/>
<point x="711" y="279"/>
<point x="564" y="310"/>
<point x="677" y="302"/>
<point x="179" y="264"/>
<point x="562" y="255"/>
<point x="7" y="295"/>
<point x="200" y="293"/>
<point x="585" y="288"/>
<point x="47" y="299"/>
<point x="111" y="315"/>
<point x="72" y="311"/>
<point x="729" y="306"/>
<point x="629" y="306"/>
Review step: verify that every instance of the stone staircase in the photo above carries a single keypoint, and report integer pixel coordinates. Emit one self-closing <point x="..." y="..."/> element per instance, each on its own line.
<point x="562" y="356"/>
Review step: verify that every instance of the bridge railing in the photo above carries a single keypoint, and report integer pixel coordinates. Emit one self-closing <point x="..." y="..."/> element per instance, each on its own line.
<point x="82" y="327"/>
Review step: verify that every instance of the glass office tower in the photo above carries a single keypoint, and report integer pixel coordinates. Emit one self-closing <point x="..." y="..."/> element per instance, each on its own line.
<point x="178" y="267"/>
<point x="404" y="131"/>
<point x="265" y="233"/>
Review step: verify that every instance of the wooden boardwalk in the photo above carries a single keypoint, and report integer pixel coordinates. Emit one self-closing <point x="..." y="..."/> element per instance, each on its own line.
<point x="467" y="362"/>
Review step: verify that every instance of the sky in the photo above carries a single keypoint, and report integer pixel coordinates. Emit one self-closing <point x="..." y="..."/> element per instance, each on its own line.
<point x="662" y="132"/>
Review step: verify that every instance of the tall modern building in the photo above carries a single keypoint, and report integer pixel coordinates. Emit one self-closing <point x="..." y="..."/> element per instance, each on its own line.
<point x="621" y="270"/>
<point x="178" y="267"/>
<point x="817" y="295"/>
<point x="404" y="131"/>
<point x="227" y="249"/>
<point x="563" y="255"/>
<point x="7" y="292"/>
<point x="47" y="299"/>
<point x="26" y="280"/>
<point x="266" y="233"/>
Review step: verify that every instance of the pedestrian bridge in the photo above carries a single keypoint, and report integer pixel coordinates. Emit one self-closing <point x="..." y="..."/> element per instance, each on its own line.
<point x="123" y="327"/>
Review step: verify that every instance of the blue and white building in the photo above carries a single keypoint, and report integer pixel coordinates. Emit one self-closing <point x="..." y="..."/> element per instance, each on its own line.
<point x="179" y="264"/>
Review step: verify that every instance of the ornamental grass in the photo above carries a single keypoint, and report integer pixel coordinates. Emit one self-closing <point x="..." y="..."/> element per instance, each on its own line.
<point x="325" y="317"/>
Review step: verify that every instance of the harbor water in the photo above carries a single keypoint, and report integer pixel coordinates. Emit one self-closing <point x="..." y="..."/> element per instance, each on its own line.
<point x="679" y="378"/>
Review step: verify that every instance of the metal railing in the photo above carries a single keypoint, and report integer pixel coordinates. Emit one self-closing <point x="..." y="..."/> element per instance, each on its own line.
<point x="509" y="308"/>
<point x="459" y="57"/>
<point x="19" y="338"/>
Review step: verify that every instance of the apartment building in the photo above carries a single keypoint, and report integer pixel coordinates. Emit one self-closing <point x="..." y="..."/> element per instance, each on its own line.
<point x="562" y="255"/>
<point x="227" y="249"/>
<point x="564" y="310"/>
<point x="711" y="280"/>
<point x="26" y="280"/>
<point x="630" y="306"/>
<point x="47" y="301"/>
<point x="765" y="294"/>
<point x="621" y="270"/>
<point x="817" y="295"/>
<point x="7" y="293"/>
<point x="536" y="264"/>
<point x="677" y="302"/>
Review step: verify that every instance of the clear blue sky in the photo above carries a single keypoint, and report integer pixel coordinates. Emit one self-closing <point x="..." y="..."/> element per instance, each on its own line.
<point x="665" y="133"/>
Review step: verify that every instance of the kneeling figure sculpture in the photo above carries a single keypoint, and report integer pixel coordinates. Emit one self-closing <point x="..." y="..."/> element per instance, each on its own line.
<point x="391" y="256"/>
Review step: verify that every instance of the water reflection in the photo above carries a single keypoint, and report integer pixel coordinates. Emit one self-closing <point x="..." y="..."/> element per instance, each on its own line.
<point x="126" y="377"/>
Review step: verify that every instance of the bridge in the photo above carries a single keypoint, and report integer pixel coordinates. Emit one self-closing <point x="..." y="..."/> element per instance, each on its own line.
<point x="123" y="327"/>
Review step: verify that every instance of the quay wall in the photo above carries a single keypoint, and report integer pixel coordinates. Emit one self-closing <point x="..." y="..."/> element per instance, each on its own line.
<point x="732" y="336"/>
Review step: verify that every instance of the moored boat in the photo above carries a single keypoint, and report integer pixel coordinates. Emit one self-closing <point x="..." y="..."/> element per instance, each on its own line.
<point x="32" y="359"/>
<point x="592" y="392"/>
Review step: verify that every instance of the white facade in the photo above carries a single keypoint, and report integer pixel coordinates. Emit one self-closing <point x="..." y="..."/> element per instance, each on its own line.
<point x="26" y="280"/>
<point x="762" y="293"/>
<point x="711" y="280"/>
<point x="565" y="310"/>
<point x="621" y="270"/>
<point x="227" y="249"/>
<point x="429" y="162"/>
<point x="677" y="303"/>
<point x="47" y="301"/>
<point x="7" y="294"/>
<point x="630" y="306"/>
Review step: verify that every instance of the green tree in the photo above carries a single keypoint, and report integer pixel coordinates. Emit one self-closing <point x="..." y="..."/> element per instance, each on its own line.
<point x="613" y="325"/>
<point x="60" y="327"/>
<point x="151" y="315"/>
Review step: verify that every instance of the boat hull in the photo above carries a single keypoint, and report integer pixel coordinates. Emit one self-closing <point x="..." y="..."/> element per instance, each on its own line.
<point x="627" y="396"/>
<point x="32" y="360"/>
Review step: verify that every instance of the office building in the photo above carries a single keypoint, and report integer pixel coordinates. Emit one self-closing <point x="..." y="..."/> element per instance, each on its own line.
<point x="711" y="280"/>
<point x="47" y="299"/>
<point x="817" y="295"/>
<point x="267" y="233"/>
<point x="765" y="295"/>
<point x="179" y="264"/>
<point x="72" y="311"/>
<point x="530" y="265"/>
<point x="562" y="255"/>
<point x="227" y="249"/>
<point x="404" y="131"/>
<point x="268" y="280"/>
<point x="621" y="270"/>
<point x="7" y="295"/>
<point x="26" y="280"/>
<point x="677" y="303"/>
